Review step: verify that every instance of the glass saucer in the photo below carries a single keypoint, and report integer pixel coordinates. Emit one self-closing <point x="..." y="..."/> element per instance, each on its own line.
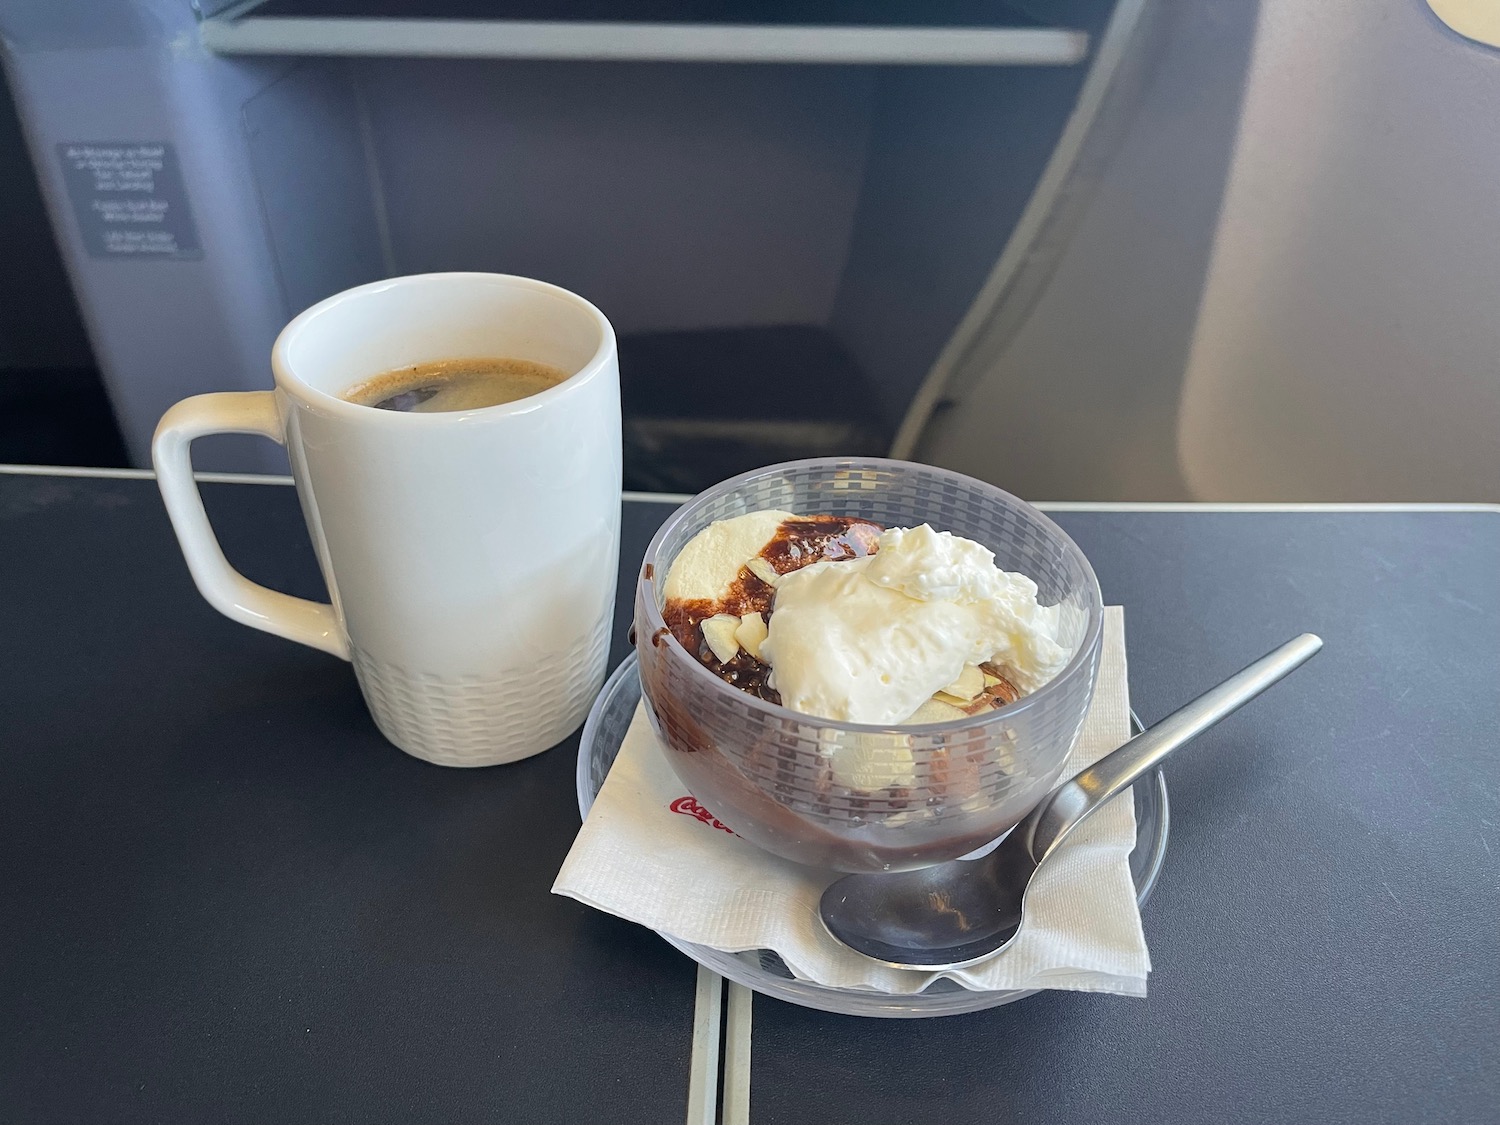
<point x="762" y="970"/>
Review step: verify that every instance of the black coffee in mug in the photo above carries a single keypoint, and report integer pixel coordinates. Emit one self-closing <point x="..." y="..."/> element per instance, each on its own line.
<point x="455" y="384"/>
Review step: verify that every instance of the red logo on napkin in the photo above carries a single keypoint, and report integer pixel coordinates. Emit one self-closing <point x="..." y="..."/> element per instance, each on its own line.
<point x="688" y="806"/>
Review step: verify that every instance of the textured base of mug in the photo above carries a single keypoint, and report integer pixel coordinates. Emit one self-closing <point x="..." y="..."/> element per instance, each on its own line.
<point x="482" y="720"/>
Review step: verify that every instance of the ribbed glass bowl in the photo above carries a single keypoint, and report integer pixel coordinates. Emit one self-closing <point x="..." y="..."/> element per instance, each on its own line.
<point x="766" y="771"/>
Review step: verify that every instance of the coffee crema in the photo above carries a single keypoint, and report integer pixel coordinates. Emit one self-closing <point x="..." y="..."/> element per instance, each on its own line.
<point x="455" y="384"/>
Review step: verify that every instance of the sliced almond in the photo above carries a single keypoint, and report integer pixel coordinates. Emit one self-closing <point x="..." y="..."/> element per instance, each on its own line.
<point x="718" y="633"/>
<point x="970" y="683"/>
<point x="751" y="633"/>
<point x="934" y="710"/>
<point x="1004" y="693"/>
<point x="998" y="685"/>
<point x="761" y="567"/>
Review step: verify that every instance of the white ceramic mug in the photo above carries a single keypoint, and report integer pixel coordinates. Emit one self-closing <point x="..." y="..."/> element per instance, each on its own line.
<point x="470" y="555"/>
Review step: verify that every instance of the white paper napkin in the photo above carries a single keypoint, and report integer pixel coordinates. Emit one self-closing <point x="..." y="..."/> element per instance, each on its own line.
<point x="649" y="853"/>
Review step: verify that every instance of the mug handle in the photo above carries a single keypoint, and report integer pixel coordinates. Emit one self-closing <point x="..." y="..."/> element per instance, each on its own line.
<point x="227" y="590"/>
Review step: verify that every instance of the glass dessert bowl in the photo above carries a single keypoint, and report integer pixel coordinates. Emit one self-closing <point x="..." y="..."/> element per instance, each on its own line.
<point x="853" y="796"/>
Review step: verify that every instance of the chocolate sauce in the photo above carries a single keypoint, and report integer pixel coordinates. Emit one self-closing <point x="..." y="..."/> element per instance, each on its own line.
<point x="800" y="542"/>
<point x="746" y="673"/>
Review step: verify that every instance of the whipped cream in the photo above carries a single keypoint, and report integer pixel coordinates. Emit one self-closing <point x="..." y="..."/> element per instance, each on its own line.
<point x="870" y="640"/>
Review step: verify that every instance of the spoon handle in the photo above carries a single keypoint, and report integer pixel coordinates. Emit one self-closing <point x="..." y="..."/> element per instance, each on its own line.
<point x="1073" y="802"/>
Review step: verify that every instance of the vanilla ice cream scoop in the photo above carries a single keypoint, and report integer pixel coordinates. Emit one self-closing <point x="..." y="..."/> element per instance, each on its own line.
<point x="706" y="568"/>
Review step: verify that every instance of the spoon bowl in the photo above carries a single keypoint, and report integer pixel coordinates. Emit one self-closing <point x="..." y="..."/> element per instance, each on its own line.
<point x="955" y="914"/>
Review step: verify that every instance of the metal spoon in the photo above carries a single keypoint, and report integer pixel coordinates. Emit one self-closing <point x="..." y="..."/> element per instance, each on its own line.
<point x="957" y="913"/>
